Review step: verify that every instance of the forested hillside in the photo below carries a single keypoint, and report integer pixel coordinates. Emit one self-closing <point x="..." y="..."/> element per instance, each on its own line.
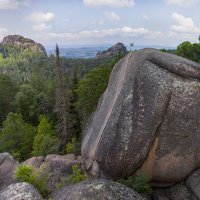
<point x="35" y="90"/>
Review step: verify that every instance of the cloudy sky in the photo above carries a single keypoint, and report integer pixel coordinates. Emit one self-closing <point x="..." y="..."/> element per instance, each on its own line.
<point x="78" y="22"/>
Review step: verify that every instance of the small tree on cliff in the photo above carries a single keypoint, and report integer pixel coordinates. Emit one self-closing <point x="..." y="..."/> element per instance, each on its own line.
<point x="61" y="107"/>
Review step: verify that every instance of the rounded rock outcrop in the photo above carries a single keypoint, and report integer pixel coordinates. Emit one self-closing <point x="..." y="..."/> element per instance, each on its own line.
<point x="25" y="43"/>
<point x="118" y="48"/>
<point x="97" y="190"/>
<point x="147" y="119"/>
<point x="20" y="191"/>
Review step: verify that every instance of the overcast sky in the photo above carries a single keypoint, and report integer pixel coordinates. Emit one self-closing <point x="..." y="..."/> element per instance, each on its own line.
<point x="74" y="22"/>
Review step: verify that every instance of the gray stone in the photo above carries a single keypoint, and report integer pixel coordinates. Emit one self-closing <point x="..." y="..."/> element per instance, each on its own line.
<point x="20" y="191"/>
<point x="34" y="162"/>
<point x="57" y="167"/>
<point x="97" y="190"/>
<point x="148" y="118"/>
<point x="26" y="43"/>
<point x="113" y="51"/>
<point x="7" y="168"/>
<point x="176" y="192"/>
<point x="193" y="183"/>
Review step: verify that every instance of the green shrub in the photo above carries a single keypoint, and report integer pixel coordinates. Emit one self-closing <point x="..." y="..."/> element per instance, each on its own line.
<point x="73" y="147"/>
<point x="25" y="174"/>
<point x="37" y="178"/>
<point x="45" y="141"/>
<point x="139" y="182"/>
<point x="76" y="177"/>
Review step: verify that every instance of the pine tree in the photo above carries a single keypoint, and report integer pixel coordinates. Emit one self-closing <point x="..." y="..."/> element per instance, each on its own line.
<point x="61" y="107"/>
<point x="75" y="123"/>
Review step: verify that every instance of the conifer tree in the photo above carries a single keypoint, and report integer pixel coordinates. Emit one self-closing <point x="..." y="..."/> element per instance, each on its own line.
<point x="61" y="107"/>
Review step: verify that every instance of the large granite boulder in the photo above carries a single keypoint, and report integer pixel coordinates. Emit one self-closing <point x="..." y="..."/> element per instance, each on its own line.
<point x="7" y="168"/>
<point x="20" y="191"/>
<point x="25" y="43"/>
<point x="97" y="190"/>
<point x="147" y="119"/>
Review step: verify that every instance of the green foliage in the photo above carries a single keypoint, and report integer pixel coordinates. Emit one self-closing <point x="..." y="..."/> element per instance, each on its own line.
<point x="8" y="89"/>
<point x="35" y="98"/>
<point x="139" y="182"/>
<point x="37" y="178"/>
<point x="17" y="137"/>
<point x="25" y="174"/>
<point x="45" y="141"/>
<point x="76" y="177"/>
<point x="90" y="89"/>
<point x="74" y="119"/>
<point x="18" y="62"/>
<point x="70" y="146"/>
<point x="73" y="147"/>
<point x="185" y="49"/>
<point x="189" y="51"/>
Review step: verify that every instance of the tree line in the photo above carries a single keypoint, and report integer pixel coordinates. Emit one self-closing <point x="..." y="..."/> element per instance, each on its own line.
<point x="43" y="107"/>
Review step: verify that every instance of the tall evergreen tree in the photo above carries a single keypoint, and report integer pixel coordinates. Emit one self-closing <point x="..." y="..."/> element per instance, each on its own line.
<point x="61" y="107"/>
<point x="75" y="122"/>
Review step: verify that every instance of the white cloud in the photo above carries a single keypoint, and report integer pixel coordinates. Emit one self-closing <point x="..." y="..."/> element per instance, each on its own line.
<point x="112" y="16"/>
<point x="145" y="17"/>
<point x="117" y="3"/>
<point x="66" y="19"/>
<point x="41" y="27"/>
<point x="3" y="32"/>
<point x="184" y="24"/>
<point x="117" y="32"/>
<point x="41" y="17"/>
<point x="98" y="22"/>
<point x="12" y="4"/>
<point x="183" y="3"/>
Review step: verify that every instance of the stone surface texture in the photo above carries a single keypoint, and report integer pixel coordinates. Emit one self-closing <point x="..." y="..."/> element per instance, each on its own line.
<point x="147" y="119"/>
<point x="20" y="191"/>
<point x="57" y="167"/>
<point x="97" y="190"/>
<point x="7" y="168"/>
<point x="26" y="43"/>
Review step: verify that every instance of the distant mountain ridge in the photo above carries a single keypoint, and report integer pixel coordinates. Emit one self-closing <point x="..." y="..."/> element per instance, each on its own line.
<point x="90" y="51"/>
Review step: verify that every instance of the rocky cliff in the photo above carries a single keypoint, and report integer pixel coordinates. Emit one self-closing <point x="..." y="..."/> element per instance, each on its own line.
<point x="25" y="43"/>
<point x="113" y="51"/>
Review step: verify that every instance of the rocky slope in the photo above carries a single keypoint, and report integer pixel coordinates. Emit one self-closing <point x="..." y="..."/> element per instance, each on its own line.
<point x="25" y="43"/>
<point x="113" y="51"/>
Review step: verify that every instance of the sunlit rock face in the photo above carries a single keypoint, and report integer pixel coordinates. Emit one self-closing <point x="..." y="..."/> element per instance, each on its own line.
<point x="147" y="119"/>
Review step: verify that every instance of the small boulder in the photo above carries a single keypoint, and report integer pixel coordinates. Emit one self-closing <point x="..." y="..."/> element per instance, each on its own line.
<point x="7" y="168"/>
<point x="20" y="191"/>
<point x="56" y="166"/>
<point x="34" y="162"/>
<point x="97" y="190"/>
